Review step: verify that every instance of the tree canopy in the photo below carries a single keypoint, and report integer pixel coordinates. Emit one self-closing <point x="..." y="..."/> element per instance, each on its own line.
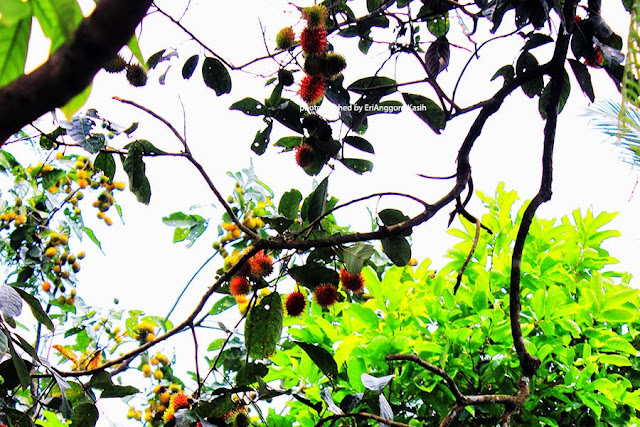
<point x="527" y="323"/>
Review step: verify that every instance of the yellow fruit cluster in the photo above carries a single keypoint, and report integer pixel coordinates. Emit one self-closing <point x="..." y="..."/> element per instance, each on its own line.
<point x="162" y="403"/>
<point x="133" y="414"/>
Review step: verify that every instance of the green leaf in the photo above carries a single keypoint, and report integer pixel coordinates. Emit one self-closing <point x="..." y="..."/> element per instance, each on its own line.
<point x="216" y="76"/>
<point x="617" y="315"/>
<point x="278" y="223"/>
<point x="290" y="204"/>
<point x="58" y="19"/>
<point x="428" y="111"/>
<point x="372" y="85"/>
<point x="312" y="274"/>
<point x="154" y="59"/>
<point x="614" y="359"/>
<point x="289" y="142"/>
<point x="71" y="107"/>
<point x="106" y="163"/>
<point x="584" y="78"/>
<point x="250" y="372"/>
<point x="391" y="217"/>
<point x="439" y="26"/>
<point x="358" y="166"/>
<point x="289" y="114"/>
<point x="398" y="250"/>
<point x="21" y="368"/>
<point x="4" y="345"/>
<point x="355" y="256"/>
<point x="359" y="143"/>
<point x="318" y="200"/>
<point x="14" y="40"/>
<point x="505" y="72"/>
<point x="222" y="304"/>
<point x="249" y="106"/>
<point x="89" y="232"/>
<point x="546" y="93"/>
<point x="135" y="49"/>
<point x="119" y="391"/>
<point x="264" y="327"/>
<point x="180" y="219"/>
<point x="36" y="308"/>
<point x="190" y="66"/>
<point x="526" y="61"/>
<point x="85" y="415"/>
<point x="12" y="11"/>
<point x="322" y="358"/>
<point x="49" y="179"/>
<point x="135" y="168"/>
<point x="17" y="418"/>
<point x="261" y="140"/>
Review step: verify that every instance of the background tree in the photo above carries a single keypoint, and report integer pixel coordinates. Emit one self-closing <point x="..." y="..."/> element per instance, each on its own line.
<point x="565" y="357"/>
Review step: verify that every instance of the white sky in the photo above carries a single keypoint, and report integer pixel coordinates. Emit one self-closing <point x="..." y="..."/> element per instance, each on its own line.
<point x="146" y="271"/>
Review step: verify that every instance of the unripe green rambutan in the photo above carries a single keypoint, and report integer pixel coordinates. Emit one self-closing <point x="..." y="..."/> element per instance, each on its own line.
<point x="314" y="65"/>
<point x="315" y="15"/>
<point x="333" y="64"/>
<point x="285" y="39"/>
<point x="295" y="304"/>
<point x="116" y="65"/>
<point x="136" y="75"/>
<point x="285" y="77"/>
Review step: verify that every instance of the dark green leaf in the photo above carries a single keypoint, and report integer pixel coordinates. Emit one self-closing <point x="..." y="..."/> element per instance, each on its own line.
<point x="49" y="179"/>
<point x="289" y="142"/>
<point x="506" y="72"/>
<point x="359" y="143"/>
<point x="261" y="140"/>
<point x="536" y="39"/>
<point x="527" y="62"/>
<point x="93" y="143"/>
<point x="264" y="327"/>
<point x="216" y="76"/>
<point x="105" y="162"/>
<point x="20" y="367"/>
<point x="312" y="275"/>
<point x="290" y="204"/>
<point x="564" y="95"/>
<point x="336" y="93"/>
<point x="380" y="85"/>
<point x="390" y="217"/>
<point x="359" y="166"/>
<point x="85" y="415"/>
<point x="364" y="44"/>
<point x="439" y="25"/>
<point x="189" y="67"/>
<point x="278" y="223"/>
<point x="397" y="249"/>
<point x="249" y="106"/>
<point x="119" y="391"/>
<point x="355" y="256"/>
<point x="384" y="107"/>
<point x="318" y="200"/>
<point x="428" y="111"/>
<point x="584" y="78"/>
<point x="135" y="168"/>
<point x="250" y="372"/>
<point x="215" y="408"/>
<point x="276" y="95"/>
<point x="131" y="129"/>
<point x="154" y="59"/>
<point x="322" y="358"/>
<point x="36" y="308"/>
<point x="147" y="148"/>
<point x="289" y="114"/>
<point x="17" y="418"/>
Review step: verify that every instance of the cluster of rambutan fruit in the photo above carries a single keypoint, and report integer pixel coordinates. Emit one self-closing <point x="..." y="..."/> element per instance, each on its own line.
<point x="320" y="65"/>
<point x="136" y="74"/>
<point x="62" y="265"/>
<point x="257" y="267"/>
<point x="325" y="295"/>
<point x="163" y="404"/>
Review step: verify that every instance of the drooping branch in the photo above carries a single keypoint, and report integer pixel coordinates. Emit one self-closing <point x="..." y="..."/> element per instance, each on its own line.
<point x="71" y="68"/>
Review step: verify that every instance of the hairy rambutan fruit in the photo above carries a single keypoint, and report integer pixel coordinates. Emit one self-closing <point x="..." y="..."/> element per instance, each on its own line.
<point x="326" y="295"/>
<point x="179" y="401"/>
<point x="239" y="285"/>
<point x="313" y="41"/>
<point x="116" y="65"/>
<point x="285" y="39"/>
<point x="351" y="282"/>
<point x="285" y="77"/>
<point x="333" y="64"/>
<point x="312" y="89"/>
<point x="136" y="75"/>
<point x="304" y="155"/>
<point x="315" y="15"/>
<point x="313" y="65"/>
<point x="596" y="60"/>
<point x="260" y="265"/>
<point x="295" y="304"/>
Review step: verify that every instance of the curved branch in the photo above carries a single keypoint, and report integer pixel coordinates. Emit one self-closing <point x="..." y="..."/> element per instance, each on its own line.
<point x="71" y="68"/>
<point x="361" y="415"/>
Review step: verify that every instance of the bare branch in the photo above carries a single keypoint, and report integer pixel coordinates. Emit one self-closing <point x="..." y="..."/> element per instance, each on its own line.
<point x="361" y="415"/>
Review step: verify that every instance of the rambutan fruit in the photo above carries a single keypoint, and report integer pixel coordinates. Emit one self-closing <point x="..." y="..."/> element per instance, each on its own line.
<point x="333" y="64"/>
<point x="285" y="77"/>
<point x="295" y="304"/>
<point x="136" y="75"/>
<point x="351" y="282"/>
<point x="260" y="265"/>
<point x="116" y="65"/>
<point x="313" y="65"/>
<point x="239" y="285"/>
<point x="179" y="401"/>
<point x="314" y="41"/>
<point x="316" y="15"/>
<point x="285" y="39"/>
<point x="312" y="89"/>
<point x="596" y="60"/>
<point x="304" y="155"/>
<point x="326" y="295"/>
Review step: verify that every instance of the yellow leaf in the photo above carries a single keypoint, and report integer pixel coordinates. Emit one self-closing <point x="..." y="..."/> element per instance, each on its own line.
<point x="66" y="353"/>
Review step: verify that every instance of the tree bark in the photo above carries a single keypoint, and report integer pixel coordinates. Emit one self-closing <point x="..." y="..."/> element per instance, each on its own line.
<point x="71" y="68"/>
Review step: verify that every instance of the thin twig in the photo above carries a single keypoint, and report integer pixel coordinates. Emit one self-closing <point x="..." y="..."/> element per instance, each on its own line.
<point x="362" y="415"/>
<point x="469" y="256"/>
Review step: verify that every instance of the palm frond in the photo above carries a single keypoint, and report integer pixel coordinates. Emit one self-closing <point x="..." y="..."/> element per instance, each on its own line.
<point x="605" y="117"/>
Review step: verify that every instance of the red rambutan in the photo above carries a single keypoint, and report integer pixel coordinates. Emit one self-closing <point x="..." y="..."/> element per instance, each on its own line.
<point x="304" y="155"/>
<point x="295" y="304"/>
<point x="351" y="282"/>
<point x="312" y="89"/>
<point x="325" y="295"/>
<point x="239" y="285"/>
<point x="314" y="41"/>
<point x="596" y="60"/>
<point x="260" y="265"/>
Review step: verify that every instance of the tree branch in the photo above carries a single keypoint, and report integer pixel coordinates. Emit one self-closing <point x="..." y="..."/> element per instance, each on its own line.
<point x="71" y="68"/>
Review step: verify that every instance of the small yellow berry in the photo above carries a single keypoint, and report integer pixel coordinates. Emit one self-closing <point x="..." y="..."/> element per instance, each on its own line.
<point x="158" y="374"/>
<point x="51" y="252"/>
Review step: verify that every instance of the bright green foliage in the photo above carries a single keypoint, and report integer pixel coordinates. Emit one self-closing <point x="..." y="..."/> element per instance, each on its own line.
<point x="579" y="318"/>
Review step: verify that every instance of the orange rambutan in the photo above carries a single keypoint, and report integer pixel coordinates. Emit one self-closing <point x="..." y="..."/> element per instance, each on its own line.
<point x="295" y="304"/>
<point x="260" y="265"/>
<point x="239" y="285"/>
<point x="326" y="295"/>
<point x="312" y="89"/>
<point x="314" y="41"/>
<point x="285" y="39"/>
<point x="351" y="282"/>
<point x="304" y="155"/>
<point x="179" y="401"/>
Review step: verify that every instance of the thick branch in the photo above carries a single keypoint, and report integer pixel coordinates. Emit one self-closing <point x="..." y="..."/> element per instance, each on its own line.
<point x="71" y="68"/>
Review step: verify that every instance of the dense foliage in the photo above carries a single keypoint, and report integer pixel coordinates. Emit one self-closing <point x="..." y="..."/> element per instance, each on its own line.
<point x="526" y="325"/>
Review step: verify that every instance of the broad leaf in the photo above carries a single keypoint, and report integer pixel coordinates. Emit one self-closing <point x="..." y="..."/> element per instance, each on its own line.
<point x="135" y="168"/>
<point x="36" y="308"/>
<point x="263" y="327"/>
<point x="290" y="204"/>
<point x="359" y="143"/>
<point x="381" y="86"/>
<point x="312" y="274"/>
<point x="250" y="372"/>
<point x="584" y="78"/>
<point x="261" y="140"/>
<point x="10" y="301"/>
<point x="376" y="384"/>
<point x="14" y="40"/>
<point x="428" y="111"/>
<point x="322" y="358"/>
<point x="398" y="250"/>
<point x="190" y="66"/>
<point x="546" y="93"/>
<point x="391" y="217"/>
<point x="106" y="163"/>
<point x="249" y="106"/>
<point x="358" y="166"/>
<point x="85" y="415"/>
<point x="355" y="256"/>
<point x="318" y="200"/>
<point x="216" y="76"/>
